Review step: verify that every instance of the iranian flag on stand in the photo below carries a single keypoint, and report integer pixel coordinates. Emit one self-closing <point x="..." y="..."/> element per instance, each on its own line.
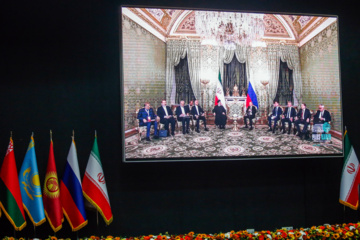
<point x="94" y="185"/>
<point x="220" y="93"/>
<point x="349" y="187"/>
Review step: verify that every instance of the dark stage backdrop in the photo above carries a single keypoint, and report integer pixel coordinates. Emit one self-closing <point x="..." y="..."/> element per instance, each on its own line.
<point x="60" y="71"/>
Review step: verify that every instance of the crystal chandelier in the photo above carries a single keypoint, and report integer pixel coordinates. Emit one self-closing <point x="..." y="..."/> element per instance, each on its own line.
<point x="229" y="29"/>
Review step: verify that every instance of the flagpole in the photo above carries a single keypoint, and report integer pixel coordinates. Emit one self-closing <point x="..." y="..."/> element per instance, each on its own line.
<point x="50" y="135"/>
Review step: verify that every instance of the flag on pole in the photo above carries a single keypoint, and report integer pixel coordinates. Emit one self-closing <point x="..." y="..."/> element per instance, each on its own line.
<point x="251" y="96"/>
<point x="71" y="192"/>
<point x="10" y="196"/>
<point x="220" y="93"/>
<point x="30" y="186"/>
<point x="349" y="192"/>
<point x="51" y="198"/>
<point x="94" y="185"/>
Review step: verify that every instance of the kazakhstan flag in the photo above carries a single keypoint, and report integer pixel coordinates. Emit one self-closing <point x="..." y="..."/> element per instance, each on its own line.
<point x="30" y="186"/>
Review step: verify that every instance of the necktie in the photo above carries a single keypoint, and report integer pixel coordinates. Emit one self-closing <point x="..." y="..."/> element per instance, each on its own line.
<point x="303" y="114"/>
<point x="182" y="110"/>
<point x="197" y="110"/>
<point x="289" y="111"/>
<point x="166" y="113"/>
<point x="321" y="114"/>
<point x="276" y="110"/>
<point x="147" y="111"/>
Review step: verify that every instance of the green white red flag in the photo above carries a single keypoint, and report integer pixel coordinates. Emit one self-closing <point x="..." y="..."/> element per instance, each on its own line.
<point x="94" y="185"/>
<point x="10" y="196"/>
<point x="349" y="188"/>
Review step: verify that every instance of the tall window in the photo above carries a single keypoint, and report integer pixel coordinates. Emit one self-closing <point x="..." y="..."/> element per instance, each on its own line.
<point x="183" y="85"/>
<point x="286" y="84"/>
<point x="234" y="73"/>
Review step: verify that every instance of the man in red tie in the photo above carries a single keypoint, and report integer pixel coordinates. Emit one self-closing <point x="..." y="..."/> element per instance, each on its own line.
<point x="303" y="117"/>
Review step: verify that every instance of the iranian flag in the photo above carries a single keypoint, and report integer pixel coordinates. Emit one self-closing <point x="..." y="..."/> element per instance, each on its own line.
<point x="94" y="185"/>
<point x="220" y="93"/>
<point x="349" y="192"/>
<point x="10" y="195"/>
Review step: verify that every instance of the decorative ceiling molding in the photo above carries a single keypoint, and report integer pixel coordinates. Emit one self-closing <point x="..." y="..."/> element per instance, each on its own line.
<point x="274" y="28"/>
<point x="321" y="25"/>
<point x="187" y="26"/>
<point x="281" y="20"/>
<point x="134" y="15"/>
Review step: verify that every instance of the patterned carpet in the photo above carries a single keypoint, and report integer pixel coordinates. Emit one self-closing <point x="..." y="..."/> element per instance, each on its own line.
<point x="219" y="143"/>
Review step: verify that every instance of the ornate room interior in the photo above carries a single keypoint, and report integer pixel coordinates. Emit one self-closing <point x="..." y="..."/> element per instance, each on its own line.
<point x="180" y="54"/>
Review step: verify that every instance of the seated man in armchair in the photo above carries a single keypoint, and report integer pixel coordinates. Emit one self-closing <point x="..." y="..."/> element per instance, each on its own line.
<point x="147" y="117"/>
<point x="183" y="116"/>
<point x="166" y="117"/>
<point x="198" y="114"/>
<point x="220" y="115"/>
<point x="274" y="116"/>
<point x="249" y="114"/>
<point x="303" y="117"/>
<point x="322" y="115"/>
<point x="289" y="115"/>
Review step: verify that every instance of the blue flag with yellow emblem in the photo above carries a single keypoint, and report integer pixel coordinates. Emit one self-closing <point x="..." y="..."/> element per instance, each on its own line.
<point x="30" y="186"/>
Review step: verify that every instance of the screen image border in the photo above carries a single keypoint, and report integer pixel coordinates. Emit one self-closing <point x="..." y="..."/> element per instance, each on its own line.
<point x="224" y="157"/>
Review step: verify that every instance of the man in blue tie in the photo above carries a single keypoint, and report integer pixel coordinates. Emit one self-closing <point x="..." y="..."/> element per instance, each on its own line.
<point x="274" y="116"/>
<point x="147" y="117"/>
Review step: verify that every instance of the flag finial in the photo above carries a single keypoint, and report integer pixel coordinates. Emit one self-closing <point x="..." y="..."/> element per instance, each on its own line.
<point x="32" y="134"/>
<point x="73" y="136"/>
<point x="50" y="135"/>
<point x="10" y="134"/>
<point x="95" y="134"/>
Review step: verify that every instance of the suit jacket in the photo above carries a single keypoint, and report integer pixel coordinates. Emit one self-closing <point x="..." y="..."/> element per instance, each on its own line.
<point x="306" y="116"/>
<point x="253" y="111"/>
<point x="292" y="113"/>
<point x="161" y="112"/>
<point x="326" y="115"/>
<point x="178" y="111"/>
<point x="188" y="107"/>
<point x="142" y="114"/>
<point x="278" y="113"/>
<point x="193" y="110"/>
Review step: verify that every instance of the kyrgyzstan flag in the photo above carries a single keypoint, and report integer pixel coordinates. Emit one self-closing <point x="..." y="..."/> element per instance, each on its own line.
<point x="51" y="197"/>
<point x="94" y="185"/>
<point x="72" y="199"/>
<point x="220" y="93"/>
<point x="251" y="96"/>
<point x="349" y="192"/>
<point x="10" y="195"/>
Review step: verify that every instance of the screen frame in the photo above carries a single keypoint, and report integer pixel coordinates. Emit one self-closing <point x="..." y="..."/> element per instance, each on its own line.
<point x="221" y="158"/>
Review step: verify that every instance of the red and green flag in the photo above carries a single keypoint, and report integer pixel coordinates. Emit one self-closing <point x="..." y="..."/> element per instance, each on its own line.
<point x="10" y="196"/>
<point x="94" y="185"/>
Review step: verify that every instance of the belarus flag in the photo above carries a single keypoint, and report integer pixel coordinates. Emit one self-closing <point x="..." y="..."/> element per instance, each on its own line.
<point x="220" y="93"/>
<point x="251" y="96"/>
<point x="71" y="192"/>
<point x="94" y="185"/>
<point x="349" y="193"/>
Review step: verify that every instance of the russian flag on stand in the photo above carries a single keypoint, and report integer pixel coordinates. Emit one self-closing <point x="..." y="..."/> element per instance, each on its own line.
<point x="71" y="192"/>
<point x="251" y="96"/>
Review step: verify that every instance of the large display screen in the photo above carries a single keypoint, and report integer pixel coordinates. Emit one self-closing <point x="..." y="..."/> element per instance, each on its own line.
<point x="200" y="85"/>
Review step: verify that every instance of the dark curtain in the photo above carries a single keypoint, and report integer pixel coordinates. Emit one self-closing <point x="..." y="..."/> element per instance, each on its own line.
<point x="235" y="73"/>
<point x="183" y="85"/>
<point x="286" y="84"/>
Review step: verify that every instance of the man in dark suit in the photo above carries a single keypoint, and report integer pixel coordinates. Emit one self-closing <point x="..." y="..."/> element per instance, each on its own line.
<point x="183" y="116"/>
<point x="147" y="117"/>
<point x="288" y="116"/>
<point x="166" y="117"/>
<point x="303" y="117"/>
<point x="249" y="114"/>
<point x="274" y="116"/>
<point x="198" y="114"/>
<point x="322" y="115"/>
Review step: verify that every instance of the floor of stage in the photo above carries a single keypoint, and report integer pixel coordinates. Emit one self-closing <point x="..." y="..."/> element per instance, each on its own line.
<point x="227" y="143"/>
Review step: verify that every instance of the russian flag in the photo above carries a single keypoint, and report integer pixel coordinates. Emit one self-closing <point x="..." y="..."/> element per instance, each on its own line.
<point x="71" y="192"/>
<point x="251" y="96"/>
